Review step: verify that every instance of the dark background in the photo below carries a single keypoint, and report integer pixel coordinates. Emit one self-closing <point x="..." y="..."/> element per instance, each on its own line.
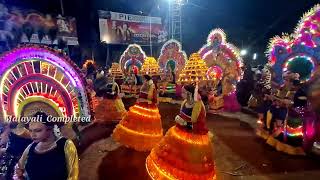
<point x="248" y="24"/>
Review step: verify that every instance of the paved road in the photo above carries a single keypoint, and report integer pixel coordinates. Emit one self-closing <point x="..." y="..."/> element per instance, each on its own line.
<point x="239" y="154"/>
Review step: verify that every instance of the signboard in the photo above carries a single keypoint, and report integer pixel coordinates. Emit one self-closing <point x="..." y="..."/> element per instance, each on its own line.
<point x="120" y="28"/>
<point x="18" y="25"/>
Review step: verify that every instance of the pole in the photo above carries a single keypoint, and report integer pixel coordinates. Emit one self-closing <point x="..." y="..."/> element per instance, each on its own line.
<point x="150" y="34"/>
<point x="108" y="55"/>
<point x="62" y="8"/>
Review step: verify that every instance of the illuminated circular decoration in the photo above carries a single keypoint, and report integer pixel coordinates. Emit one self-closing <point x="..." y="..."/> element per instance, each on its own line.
<point x="303" y="42"/>
<point x="302" y="65"/>
<point x="52" y="108"/>
<point x="134" y="53"/>
<point x="215" y="73"/>
<point x="36" y="71"/>
<point x="172" y="57"/>
<point x="132" y="64"/>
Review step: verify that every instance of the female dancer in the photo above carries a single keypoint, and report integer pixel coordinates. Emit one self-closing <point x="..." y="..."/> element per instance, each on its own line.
<point x="186" y="151"/>
<point x="141" y="128"/>
<point x="48" y="157"/>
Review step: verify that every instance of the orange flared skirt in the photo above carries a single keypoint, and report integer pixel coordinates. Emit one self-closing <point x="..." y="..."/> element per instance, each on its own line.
<point x="182" y="155"/>
<point x="110" y="110"/>
<point x="141" y="128"/>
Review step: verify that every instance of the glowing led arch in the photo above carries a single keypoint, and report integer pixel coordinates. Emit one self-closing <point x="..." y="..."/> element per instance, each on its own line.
<point x="172" y="51"/>
<point x="32" y="70"/>
<point x="303" y="43"/>
<point x="134" y="53"/>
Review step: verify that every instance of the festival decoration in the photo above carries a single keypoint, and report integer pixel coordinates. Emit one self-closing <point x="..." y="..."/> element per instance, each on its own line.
<point x="172" y="58"/>
<point x="132" y="58"/>
<point x="37" y="78"/>
<point x="150" y="67"/>
<point x="298" y="52"/>
<point x="294" y="57"/>
<point x="215" y="73"/>
<point x="217" y="53"/>
<point x="195" y="70"/>
<point x="115" y="71"/>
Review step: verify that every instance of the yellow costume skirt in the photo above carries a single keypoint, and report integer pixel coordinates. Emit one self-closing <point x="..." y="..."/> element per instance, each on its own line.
<point x="182" y="155"/>
<point x="110" y="110"/>
<point x="141" y="128"/>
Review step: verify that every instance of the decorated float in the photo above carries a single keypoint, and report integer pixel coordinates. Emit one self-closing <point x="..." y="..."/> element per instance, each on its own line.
<point x="224" y="61"/>
<point x="35" y="78"/>
<point x="171" y="60"/>
<point x="289" y="124"/>
<point x="131" y="62"/>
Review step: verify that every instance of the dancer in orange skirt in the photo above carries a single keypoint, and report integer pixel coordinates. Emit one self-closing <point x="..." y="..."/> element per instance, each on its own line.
<point x="186" y="151"/>
<point x="110" y="107"/>
<point x="141" y="128"/>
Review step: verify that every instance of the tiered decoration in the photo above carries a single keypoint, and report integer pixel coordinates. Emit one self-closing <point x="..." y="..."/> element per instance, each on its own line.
<point x="116" y="72"/>
<point x="195" y="70"/>
<point x="296" y="53"/>
<point x="132" y="59"/>
<point x="172" y="58"/>
<point x="36" y="78"/>
<point x="150" y="67"/>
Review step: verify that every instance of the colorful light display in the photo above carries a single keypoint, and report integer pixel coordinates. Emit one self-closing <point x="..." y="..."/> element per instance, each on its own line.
<point x="215" y="73"/>
<point x="218" y="53"/>
<point x="305" y="73"/>
<point x="172" y="57"/>
<point x="132" y="56"/>
<point x="150" y="67"/>
<point x="303" y="43"/>
<point x="195" y="70"/>
<point x="33" y="70"/>
<point x="115" y="71"/>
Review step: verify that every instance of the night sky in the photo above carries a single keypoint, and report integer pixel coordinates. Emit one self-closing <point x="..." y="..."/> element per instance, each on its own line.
<point x="248" y="23"/>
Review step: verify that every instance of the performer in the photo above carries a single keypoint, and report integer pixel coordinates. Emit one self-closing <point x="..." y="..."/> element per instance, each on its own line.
<point x="215" y="101"/>
<point x="186" y="151"/>
<point x="111" y="102"/>
<point x="16" y="139"/>
<point x="48" y="157"/>
<point x="283" y="118"/>
<point x="230" y="100"/>
<point x="141" y="128"/>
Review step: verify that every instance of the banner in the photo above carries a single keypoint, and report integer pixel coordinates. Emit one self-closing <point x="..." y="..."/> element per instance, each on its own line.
<point x="19" y="25"/>
<point x="120" y="28"/>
